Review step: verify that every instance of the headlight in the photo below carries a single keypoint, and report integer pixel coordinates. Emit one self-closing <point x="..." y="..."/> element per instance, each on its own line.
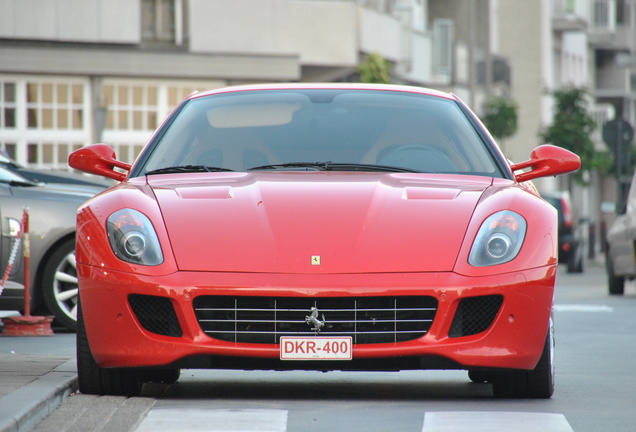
<point x="499" y="239"/>
<point x="133" y="238"/>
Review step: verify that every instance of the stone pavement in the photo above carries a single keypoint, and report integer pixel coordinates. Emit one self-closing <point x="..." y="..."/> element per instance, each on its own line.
<point x="31" y="387"/>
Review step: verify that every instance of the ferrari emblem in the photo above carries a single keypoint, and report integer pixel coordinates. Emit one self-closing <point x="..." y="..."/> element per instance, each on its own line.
<point x="314" y="321"/>
<point x="315" y="260"/>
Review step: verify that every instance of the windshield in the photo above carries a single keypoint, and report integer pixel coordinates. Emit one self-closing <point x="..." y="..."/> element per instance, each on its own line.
<point x="7" y="176"/>
<point x="321" y="129"/>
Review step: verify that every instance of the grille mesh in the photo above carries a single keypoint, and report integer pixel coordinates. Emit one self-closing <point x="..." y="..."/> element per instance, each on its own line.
<point x="156" y="314"/>
<point x="475" y="314"/>
<point x="265" y="319"/>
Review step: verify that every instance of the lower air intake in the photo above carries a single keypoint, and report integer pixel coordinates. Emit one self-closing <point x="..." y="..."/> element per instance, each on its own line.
<point x="475" y="314"/>
<point x="155" y="314"/>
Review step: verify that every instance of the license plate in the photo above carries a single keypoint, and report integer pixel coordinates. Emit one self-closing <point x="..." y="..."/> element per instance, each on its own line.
<point x="315" y="348"/>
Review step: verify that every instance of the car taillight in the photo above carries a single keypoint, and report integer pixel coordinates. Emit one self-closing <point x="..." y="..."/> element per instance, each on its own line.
<point x="567" y="214"/>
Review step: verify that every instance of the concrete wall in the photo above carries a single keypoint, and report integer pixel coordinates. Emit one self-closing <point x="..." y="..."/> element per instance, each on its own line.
<point x="101" y="21"/>
<point x="319" y="32"/>
<point x="527" y="44"/>
<point x="381" y="33"/>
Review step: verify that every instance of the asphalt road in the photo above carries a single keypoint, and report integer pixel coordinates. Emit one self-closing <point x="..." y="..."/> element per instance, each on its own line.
<point x="595" y="352"/>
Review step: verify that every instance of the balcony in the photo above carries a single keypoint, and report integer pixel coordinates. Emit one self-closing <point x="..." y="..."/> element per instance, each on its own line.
<point x="612" y="81"/>
<point x="570" y="15"/>
<point x="612" y="27"/>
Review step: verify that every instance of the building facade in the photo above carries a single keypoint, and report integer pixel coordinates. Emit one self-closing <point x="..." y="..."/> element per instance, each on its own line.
<point x="74" y="72"/>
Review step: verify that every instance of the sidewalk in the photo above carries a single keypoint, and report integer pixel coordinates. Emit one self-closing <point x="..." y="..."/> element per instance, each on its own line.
<point x="31" y="387"/>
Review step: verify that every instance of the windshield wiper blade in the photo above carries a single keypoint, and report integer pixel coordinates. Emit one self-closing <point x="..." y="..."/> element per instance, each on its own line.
<point x="314" y="166"/>
<point x="333" y="166"/>
<point x="186" y="169"/>
<point x="368" y="167"/>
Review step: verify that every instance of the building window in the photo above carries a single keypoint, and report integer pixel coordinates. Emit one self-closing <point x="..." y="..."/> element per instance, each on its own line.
<point x="50" y="154"/>
<point x="7" y="105"/>
<point x="158" y="20"/>
<point x="443" y="46"/>
<point x="605" y="14"/>
<point x="131" y="106"/>
<point x="177" y="93"/>
<point x="43" y="119"/>
<point x="623" y="13"/>
<point x="8" y="149"/>
<point x="51" y="105"/>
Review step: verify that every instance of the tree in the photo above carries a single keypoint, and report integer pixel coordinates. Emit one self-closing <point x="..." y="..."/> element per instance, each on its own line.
<point x="500" y="117"/>
<point x="572" y="127"/>
<point x="375" y="70"/>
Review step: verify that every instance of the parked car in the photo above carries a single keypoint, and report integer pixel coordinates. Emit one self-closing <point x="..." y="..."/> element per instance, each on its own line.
<point x="620" y="256"/>
<point x="571" y="244"/>
<point x="40" y="175"/>
<point x="326" y="227"/>
<point x="52" y="209"/>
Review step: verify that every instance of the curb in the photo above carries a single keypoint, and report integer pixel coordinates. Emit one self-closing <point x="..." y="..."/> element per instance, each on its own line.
<point x="23" y="409"/>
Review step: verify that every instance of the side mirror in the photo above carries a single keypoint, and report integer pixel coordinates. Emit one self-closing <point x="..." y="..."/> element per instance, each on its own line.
<point x="547" y="160"/>
<point x="98" y="159"/>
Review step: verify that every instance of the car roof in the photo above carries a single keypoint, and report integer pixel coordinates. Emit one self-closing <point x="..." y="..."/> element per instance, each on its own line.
<point x="326" y="86"/>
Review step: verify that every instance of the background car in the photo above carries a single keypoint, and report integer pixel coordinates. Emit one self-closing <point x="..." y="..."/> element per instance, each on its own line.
<point x="52" y="209"/>
<point x="620" y="255"/>
<point x="571" y="244"/>
<point x="318" y="226"/>
<point x="40" y="175"/>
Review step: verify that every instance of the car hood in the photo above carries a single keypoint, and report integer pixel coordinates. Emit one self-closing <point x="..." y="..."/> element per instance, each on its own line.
<point x="321" y="222"/>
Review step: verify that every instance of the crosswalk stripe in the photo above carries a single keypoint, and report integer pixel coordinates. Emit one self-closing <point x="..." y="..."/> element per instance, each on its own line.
<point x="462" y="421"/>
<point x="214" y="420"/>
<point x="582" y="308"/>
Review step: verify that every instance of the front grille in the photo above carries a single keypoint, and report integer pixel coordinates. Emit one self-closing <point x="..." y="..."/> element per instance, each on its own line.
<point x="155" y="314"/>
<point x="475" y="314"/>
<point x="265" y="319"/>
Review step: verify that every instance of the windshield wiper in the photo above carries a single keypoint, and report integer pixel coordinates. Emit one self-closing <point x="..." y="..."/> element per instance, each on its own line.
<point x="23" y="183"/>
<point x="332" y="166"/>
<point x="310" y="166"/>
<point x="186" y="169"/>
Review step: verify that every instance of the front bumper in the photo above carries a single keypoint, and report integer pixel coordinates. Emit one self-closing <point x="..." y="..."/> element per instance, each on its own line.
<point x="118" y="338"/>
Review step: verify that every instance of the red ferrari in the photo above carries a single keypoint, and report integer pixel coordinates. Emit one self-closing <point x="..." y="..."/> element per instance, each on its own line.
<point x="318" y="227"/>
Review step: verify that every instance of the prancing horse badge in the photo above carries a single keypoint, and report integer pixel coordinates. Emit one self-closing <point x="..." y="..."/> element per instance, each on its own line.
<point x="315" y="260"/>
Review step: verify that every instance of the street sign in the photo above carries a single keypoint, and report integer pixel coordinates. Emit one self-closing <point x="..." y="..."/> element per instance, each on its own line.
<point x="618" y="134"/>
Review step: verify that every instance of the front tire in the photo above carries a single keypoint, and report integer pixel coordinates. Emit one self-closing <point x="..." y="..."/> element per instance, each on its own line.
<point x="537" y="383"/>
<point x="60" y="286"/>
<point x="96" y="380"/>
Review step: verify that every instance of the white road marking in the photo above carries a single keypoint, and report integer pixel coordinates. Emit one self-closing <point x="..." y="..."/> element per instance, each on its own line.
<point x="467" y="421"/>
<point x="582" y="308"/>
<point x="214" y="420"/>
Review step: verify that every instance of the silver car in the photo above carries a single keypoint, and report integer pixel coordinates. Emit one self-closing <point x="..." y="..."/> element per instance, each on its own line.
<point x="53" y="176"/>
<point x="52" y="209"/>
<point x="620" y="258"/>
